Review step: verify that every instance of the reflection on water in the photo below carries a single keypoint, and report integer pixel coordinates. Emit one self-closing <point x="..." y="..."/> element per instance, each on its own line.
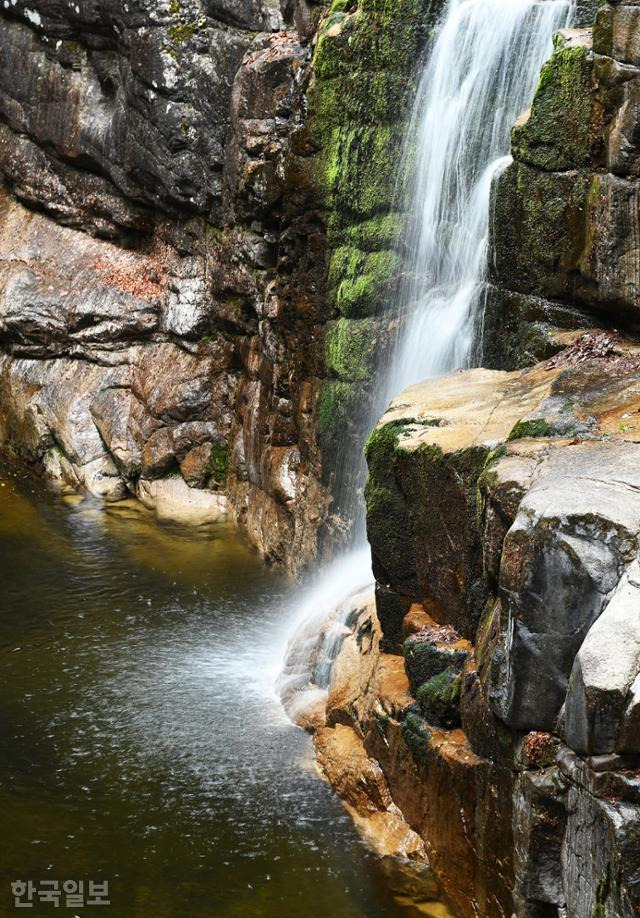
<point x="142" y="740"/>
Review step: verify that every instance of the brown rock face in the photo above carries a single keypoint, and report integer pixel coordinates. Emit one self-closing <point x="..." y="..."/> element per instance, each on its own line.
<point x="415" y="790"/>
<point x="170" y="349"/>
<point x="198" y="139"/>
<point x="275" y="482"/>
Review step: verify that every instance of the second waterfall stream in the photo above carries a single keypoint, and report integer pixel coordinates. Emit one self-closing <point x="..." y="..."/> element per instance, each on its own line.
<point x="480" y="73"/>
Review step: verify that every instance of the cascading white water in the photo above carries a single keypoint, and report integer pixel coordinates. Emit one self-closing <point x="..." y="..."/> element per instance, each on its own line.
<point x="479" y="78"/>
<point x="320" y="626"/>
<point x="480" y="74"/>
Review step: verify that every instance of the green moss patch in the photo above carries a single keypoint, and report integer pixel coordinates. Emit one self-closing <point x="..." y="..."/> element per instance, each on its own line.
<point x="537" y="427"/>
<point x="387" y="512"/>
<point x="350" y="348"/>
<point x="439" y="698"/>
<point x="540" y="427"/>
<point x="337" y="404"/>
<point x="557" y="135"/>
<point x="183" y="31"/>
<point x="365" y="67"/>
<point x="416" y="735"/>
<point x="218" y="464"/>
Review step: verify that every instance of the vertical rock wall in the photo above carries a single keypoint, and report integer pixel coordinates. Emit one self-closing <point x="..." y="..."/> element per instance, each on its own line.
<point x="565" y="212"/>
<point x="195" y="238"/>
<point x="504" y="524"/>
<point x="137" y="295"/>
<point x="366" y="61"/>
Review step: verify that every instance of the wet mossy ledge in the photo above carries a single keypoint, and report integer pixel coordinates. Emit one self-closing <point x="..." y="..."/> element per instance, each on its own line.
<point x="557" y="134"/>
<point x="564" y="212"/>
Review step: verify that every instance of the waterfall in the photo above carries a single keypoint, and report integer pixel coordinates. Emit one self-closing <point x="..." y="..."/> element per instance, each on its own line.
<point x="479" y="75"/>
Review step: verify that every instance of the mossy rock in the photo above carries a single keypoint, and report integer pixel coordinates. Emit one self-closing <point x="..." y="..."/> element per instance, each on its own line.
<point x="439" y="698"/>
<point x="338" y="406"/>
<point x="360" y="282"/>
<point x="371" y="98"/>
<point x="388" y="522"/>
<point x="365" y="67"/>
<point x="366" y="294"/>
<point x="540" y="229"/>
<point x="424" y="660"/>
<point x="358" y="169"/>
<point x="557" y="136"/>
<point x="351" y="348"/>
<point x="381" y="232"/>
<point x="603" y="31"/>
<point x="521" y="330"/>
<point x="379" y="36"/>
<point x="542" y="427"/>
<point x="183" y="31"/>
<point x="218" y="464"/>
<point x="416" y="734"/>
<point x="535" y="427"/>
<point x="401" y="530"/>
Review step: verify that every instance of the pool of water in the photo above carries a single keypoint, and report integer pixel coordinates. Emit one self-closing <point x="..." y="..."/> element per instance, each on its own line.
<point x="142" y="741"/>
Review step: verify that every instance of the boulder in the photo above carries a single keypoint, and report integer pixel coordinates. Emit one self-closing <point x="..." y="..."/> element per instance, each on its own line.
<point x="604" y="672"/>
<point x="435" y="659"/>
<point x="172" y="500"/>
<point x="562" y="559"/>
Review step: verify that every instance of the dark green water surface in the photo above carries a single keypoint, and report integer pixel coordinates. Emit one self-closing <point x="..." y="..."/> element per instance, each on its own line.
<point x="141" y="739"/>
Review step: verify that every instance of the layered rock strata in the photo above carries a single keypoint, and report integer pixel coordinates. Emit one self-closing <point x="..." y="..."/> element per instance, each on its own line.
<point x="143" y="344"/>
<point x="195" y="237"/>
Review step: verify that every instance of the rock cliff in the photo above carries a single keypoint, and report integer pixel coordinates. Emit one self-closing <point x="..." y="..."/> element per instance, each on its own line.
<point x="503" y="519"/>
<point x="196" y="233"/>
<point x="144" y="348"/>
<point x="565" y="214"/>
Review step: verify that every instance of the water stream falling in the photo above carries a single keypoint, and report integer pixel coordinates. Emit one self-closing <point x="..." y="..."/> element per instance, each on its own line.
<point x="479" y="75"/>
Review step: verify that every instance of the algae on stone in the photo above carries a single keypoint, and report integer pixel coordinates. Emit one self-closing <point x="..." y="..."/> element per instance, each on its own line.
<point x="557" y="134"/>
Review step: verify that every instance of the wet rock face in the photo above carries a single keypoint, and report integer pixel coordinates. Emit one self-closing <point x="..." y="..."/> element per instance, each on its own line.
<point x="365" y="70"/>
<point x="544" y="580"/>
<point x="92" y="386"/>
<point x="566" y="208"/>
<point x="124" y="104"/>
<point x="193" y="232"/>
<point x="144" y="335"/>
